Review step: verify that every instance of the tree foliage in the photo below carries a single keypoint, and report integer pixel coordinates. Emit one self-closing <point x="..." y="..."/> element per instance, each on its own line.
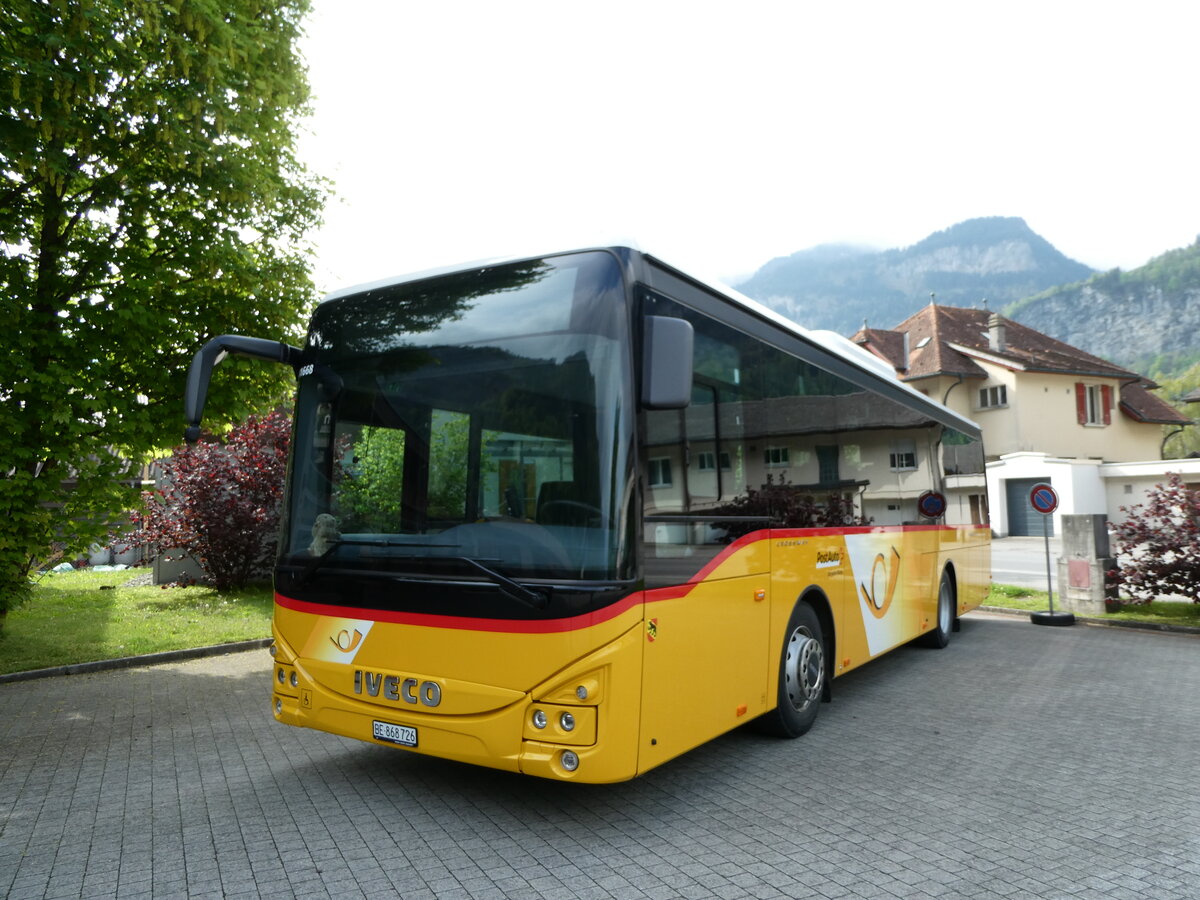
<point x="150" y="199"/>
<point x="1159" y="545"/>
<point x="220" y="503"/>
<point x="1182" y="442"/>
<point x="369" y="482"/>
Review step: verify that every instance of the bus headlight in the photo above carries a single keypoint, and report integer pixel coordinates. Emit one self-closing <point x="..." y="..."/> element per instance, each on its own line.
<point x="567" y="722"/>
<point x="539" y="719"/>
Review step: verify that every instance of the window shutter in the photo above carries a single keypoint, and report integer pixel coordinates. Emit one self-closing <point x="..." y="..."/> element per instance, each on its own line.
<point x="1106" y="399"/>
<point x="1081" y="402"/>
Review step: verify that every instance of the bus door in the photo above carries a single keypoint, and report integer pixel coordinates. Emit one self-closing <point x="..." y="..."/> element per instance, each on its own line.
<point x="707" y="578"/>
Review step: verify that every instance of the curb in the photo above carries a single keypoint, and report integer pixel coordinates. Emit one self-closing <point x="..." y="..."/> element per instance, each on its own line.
<point x="129" y="662"/>
<point x="1103" y="623"/>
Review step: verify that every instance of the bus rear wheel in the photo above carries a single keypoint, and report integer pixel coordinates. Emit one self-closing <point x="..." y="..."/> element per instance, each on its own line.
<point x="801" y="676"/>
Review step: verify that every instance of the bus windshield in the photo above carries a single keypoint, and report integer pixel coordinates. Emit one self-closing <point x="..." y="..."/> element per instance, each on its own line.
<point x="470" y="429"/>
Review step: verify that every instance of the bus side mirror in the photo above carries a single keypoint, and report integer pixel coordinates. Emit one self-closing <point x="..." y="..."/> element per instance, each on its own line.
<point x="666" y="363"/>
<point x="212" y="353"/>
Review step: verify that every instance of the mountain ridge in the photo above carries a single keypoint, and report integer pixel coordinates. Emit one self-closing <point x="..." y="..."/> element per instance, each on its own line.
<point x="1125" y="317"/>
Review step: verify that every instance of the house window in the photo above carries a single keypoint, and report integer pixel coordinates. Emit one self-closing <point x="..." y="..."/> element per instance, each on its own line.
<point x="776" y="456"/>
<point x="1095" y="412"/>
<point x="1093" y="404"/>
<point x="904" y="455"/>
<point x="706" y="461"/>
<point x="827" y="465"/>
<point x="660" y="472"/>
<point x="991" y="397"/>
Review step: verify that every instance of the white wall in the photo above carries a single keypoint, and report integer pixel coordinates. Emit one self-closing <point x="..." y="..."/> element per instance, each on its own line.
<point x="1126" y="484"/>
<point x="1083" y="486"/>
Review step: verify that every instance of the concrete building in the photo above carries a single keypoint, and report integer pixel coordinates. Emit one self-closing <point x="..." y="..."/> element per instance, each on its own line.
<point x="1049" y="412"/>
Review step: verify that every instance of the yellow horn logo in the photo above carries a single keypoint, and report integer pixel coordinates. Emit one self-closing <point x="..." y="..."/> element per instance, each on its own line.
<point x="879" y="600"/>
<point x="345" y="642"/>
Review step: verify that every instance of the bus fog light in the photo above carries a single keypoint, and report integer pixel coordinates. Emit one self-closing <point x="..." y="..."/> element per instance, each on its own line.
<point x="569" y="760"/>
<point x="278" y="707"/>
<point x="539" y="719"/>
<point x="567" y="721"/>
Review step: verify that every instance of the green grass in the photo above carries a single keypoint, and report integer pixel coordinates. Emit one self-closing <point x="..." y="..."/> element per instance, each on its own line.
<point x="1162" y="613"/>
<point x="86" y="616"/>
<point x="1012" y="597"/>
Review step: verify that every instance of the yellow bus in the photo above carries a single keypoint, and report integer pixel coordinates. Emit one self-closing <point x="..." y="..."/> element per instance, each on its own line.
<point x="577" y="514"/>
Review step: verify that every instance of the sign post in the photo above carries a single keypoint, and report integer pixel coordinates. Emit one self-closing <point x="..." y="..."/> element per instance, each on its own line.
<point x="1044" y="499"/>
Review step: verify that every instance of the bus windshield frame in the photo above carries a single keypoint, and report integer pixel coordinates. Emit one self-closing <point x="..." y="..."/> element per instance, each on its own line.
<point x="463" y="445"/>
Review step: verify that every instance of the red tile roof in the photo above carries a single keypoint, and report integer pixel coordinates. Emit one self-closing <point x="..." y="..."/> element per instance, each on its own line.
<point x="943" y="339"/>
<point x="1142" y="405"/>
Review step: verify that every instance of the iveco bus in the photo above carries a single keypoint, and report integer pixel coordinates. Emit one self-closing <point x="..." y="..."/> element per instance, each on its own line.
<point x="574" y="515"/>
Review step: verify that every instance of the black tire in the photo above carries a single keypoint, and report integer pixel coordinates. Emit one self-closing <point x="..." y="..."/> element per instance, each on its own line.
<point x="802" y="675"/>
<point x="1045" y="617"/>
<point x="943" y="627"/>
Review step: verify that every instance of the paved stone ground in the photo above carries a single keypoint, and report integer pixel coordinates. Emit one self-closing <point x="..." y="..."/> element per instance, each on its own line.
<point x="1019" y="762"/>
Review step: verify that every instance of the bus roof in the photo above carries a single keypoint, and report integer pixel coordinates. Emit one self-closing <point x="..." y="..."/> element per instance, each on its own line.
<point x="829" y="341"/>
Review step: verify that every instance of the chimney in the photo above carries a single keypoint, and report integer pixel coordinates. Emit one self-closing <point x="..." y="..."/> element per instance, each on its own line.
<point x="996" y="330"/>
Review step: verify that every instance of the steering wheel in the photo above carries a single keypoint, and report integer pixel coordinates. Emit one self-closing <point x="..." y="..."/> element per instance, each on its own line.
<point x="572" y="512"/>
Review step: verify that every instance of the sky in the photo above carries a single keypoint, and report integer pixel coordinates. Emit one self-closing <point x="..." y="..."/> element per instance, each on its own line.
<point x="721" y="135"/>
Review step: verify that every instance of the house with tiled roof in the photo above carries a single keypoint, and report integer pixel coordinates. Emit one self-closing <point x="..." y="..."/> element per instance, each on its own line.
<point x="1049" y="411"/>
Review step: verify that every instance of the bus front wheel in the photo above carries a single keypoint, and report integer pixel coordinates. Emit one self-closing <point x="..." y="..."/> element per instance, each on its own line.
<point x="801" y="676"/>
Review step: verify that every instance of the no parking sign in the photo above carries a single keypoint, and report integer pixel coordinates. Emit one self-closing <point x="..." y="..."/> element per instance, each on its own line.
<point x="1043" y="498"/>
<point x="932" y="505"/>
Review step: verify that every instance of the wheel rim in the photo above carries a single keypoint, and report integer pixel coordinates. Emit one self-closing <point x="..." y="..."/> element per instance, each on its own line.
<point x="804" y="668"/>
<point x="945" y="607"/>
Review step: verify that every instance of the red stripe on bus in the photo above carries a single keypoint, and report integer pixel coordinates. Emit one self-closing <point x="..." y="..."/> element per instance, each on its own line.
<point x="675" y="592"/>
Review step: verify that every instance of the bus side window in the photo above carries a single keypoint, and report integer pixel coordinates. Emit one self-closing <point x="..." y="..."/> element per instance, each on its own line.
<point x="664" y="455"/>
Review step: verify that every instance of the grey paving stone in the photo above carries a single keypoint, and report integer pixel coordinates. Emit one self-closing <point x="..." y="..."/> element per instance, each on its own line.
<point x="1019" y="762"/>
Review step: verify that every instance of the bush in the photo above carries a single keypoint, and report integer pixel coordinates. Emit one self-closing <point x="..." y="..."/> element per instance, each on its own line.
<point x="220" y="503"/>
<point x="1159" y="542"/>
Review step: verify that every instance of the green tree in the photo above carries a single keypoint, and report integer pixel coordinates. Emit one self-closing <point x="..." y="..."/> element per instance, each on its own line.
<point x="150" y="199"/>
<point x="1181" y="442"/>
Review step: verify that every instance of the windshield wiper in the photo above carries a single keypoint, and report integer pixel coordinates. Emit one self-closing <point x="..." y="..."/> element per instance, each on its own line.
<point x="508" y="587"/>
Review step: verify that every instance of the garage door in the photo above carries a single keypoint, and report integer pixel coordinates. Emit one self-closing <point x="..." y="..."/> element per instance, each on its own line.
<point x="1022" y="517"/>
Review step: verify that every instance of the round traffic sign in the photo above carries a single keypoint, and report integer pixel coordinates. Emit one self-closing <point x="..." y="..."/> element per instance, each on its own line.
<point x="931" y="504"/>
<point x="1043" y="498"/>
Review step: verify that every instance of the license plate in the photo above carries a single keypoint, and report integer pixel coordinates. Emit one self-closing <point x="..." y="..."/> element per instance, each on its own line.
<point x="396" y="734"/>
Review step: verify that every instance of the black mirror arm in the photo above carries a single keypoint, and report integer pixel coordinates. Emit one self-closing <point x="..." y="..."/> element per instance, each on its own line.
<point x="200" y="373"/>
